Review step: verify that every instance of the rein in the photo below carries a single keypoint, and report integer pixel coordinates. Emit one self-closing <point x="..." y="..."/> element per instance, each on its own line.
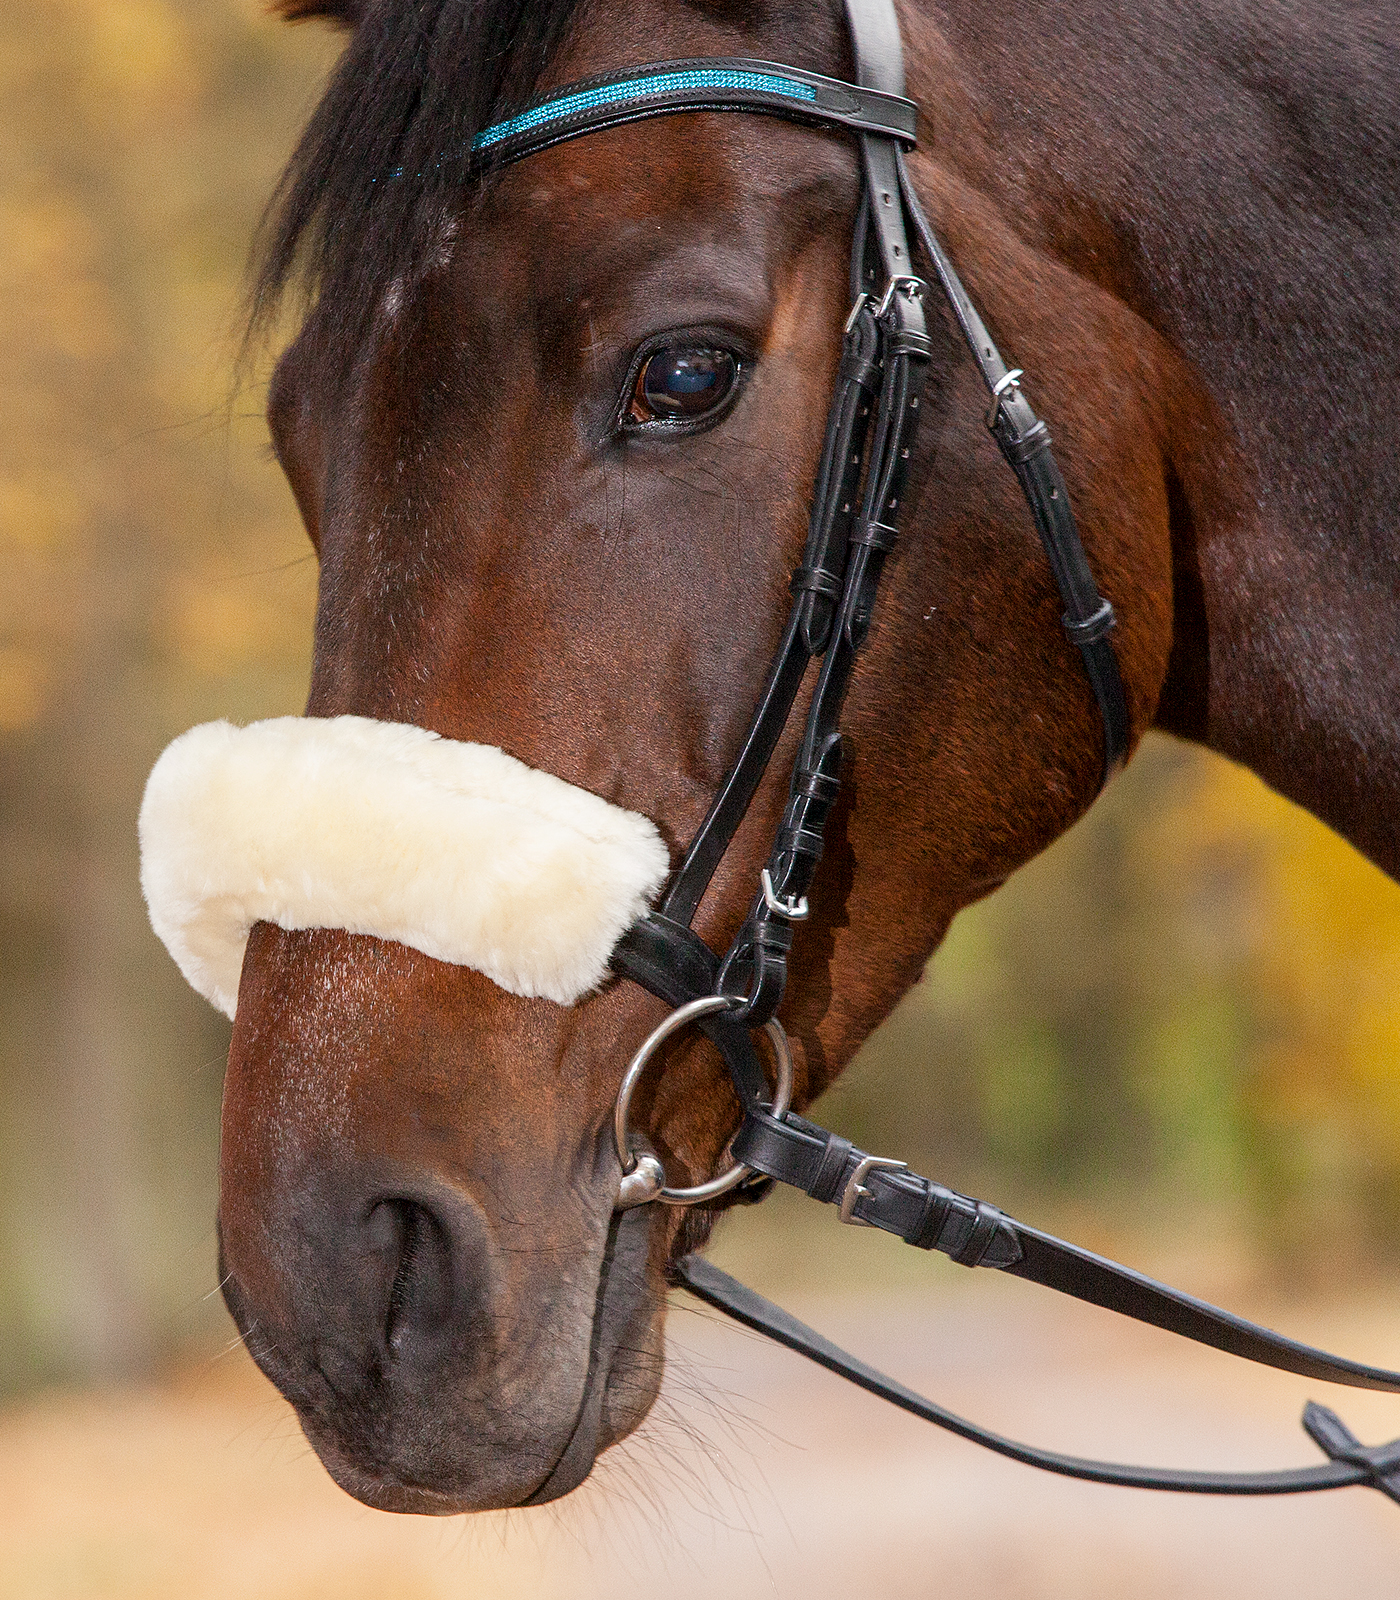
<point x="857" y="503"/>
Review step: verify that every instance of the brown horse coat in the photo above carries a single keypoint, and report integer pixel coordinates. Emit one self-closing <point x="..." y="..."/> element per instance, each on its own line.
<point x="1180" y="219"/>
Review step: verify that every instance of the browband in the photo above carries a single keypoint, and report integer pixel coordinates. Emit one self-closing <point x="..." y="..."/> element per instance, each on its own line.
<point x="708" y="84"/>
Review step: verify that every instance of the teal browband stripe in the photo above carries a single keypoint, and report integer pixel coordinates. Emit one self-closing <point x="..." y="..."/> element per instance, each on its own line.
<point x="658" y="83"/>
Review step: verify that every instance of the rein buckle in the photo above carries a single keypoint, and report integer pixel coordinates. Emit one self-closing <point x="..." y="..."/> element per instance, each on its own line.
<point x="856" y="1190"/>
<point x="791" y="909"/>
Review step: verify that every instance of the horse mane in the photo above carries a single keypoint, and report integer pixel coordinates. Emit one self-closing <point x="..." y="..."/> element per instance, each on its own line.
<point x="380" y="165"/>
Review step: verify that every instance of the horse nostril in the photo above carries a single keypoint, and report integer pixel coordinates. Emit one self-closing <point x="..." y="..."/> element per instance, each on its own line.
<point x="421" y="1299"/>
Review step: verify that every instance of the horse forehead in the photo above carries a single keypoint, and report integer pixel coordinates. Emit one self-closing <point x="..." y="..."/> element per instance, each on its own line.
<point x="589" y="206"/>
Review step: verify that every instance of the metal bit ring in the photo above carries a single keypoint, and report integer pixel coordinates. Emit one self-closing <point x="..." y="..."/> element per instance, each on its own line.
<point x="642" y="1176"/>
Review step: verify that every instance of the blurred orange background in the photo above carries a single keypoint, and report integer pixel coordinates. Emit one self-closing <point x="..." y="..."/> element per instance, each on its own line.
<point x="1175" y="1034"/>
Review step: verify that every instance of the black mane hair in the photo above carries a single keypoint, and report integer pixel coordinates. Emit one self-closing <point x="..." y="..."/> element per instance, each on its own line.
<point x="381" y="163"/>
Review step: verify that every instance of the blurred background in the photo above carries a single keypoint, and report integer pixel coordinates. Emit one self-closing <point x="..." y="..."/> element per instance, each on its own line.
<point x="1175" y="1035"/>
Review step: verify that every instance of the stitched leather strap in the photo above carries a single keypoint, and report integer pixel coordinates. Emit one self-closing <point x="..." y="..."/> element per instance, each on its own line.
<point x="1351" y="1462"/>
<point x="712" y="83"/>
<point x="817" y="584"/>
<point x="1024" y="442"/>
<point x="794" y="1151"/>
<point x="876" y="45"/>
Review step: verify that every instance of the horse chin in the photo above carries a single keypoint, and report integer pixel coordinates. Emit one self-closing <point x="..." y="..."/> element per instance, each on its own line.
<point x="484" y="1458"/>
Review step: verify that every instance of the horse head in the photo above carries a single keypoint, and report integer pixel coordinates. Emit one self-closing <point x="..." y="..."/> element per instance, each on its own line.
<point x="553" y="436"/>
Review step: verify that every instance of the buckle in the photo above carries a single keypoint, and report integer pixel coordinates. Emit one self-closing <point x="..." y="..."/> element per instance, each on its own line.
<point x="1000" y="389"/>
<point x="790" y="909"/>
<point x="856" y="1190"/>
<point x="861" y="301"/>
<point x="901" y="284"/>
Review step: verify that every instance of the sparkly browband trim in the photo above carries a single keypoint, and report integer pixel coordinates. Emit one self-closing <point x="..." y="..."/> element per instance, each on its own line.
<point x="663" y="88"/>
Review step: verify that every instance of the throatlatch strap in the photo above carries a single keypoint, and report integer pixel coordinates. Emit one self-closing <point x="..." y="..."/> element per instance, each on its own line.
<point x="1024" y="442"/>
<point x="1350" y="1462"/>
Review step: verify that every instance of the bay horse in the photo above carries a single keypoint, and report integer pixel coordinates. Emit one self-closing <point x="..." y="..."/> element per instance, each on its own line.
<point x="1181" y="218"/>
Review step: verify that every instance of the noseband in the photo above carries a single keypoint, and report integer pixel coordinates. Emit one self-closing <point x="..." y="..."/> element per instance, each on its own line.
<point x="857" y="505"/>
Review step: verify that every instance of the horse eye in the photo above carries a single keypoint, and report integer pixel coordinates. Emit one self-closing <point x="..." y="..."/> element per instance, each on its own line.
<point x="682" y="385"/>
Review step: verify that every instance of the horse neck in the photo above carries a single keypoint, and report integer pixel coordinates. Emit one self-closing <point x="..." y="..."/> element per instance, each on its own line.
<point x="1221" y="180"/>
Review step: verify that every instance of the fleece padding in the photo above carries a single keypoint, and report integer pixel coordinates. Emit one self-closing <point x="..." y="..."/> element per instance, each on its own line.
<point x="457" y="849"/>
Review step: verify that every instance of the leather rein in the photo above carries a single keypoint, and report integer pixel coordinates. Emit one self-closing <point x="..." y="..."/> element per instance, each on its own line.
<point x="857" y="504"/>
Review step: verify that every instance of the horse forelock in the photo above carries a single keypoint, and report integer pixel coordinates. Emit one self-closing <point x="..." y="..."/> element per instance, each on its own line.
<point x="380" y="171"/>
<point x="379" y="165"/>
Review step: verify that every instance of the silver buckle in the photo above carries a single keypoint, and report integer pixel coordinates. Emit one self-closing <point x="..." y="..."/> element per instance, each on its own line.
<point x="901" y="284"/>
<point x="862" y="300"/>
<point x="1000" y="389"/>
<point x="856" y="1190"/>
<point x="791" y="909"/>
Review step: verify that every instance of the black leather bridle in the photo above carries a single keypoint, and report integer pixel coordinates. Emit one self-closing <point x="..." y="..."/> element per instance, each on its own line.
<point x="857" y="505"/>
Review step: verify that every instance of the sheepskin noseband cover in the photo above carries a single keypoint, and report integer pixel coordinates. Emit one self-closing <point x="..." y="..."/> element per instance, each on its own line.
<point x="459" y="850"/>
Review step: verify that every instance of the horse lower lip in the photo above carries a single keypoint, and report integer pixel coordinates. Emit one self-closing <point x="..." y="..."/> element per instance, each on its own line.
<point x="387" y="1493"/>
<point x="402" y="1437"/>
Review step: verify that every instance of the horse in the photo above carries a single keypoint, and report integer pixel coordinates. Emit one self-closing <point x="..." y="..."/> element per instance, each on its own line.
<point x="1179" y="218"/>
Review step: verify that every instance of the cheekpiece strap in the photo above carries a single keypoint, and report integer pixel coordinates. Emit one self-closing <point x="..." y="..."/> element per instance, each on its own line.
<point x="708" y="84"/>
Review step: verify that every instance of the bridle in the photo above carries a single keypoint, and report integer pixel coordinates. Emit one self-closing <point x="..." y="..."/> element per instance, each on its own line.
<point x="857" y="504"/>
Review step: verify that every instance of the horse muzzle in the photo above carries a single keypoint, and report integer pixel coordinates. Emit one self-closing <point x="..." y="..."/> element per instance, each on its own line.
<point x="445" y="1350"/>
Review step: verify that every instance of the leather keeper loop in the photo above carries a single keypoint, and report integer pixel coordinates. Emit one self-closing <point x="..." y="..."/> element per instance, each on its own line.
<point x="809" y="784"/>
<point x="984" y="1229"/>
<point x="828" y="1184"/>
<point x="878" y="535"/>
<point x="799" y="841"/>
<point x="1092" y="628"/>
<point x="815" y="580"/>
<point x="855" y="369"/>
<point x="928" y="1229"/>
<point x="772" y="936"/>
<point x="906" y="342"/>
<point x="1019" y="450"/>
